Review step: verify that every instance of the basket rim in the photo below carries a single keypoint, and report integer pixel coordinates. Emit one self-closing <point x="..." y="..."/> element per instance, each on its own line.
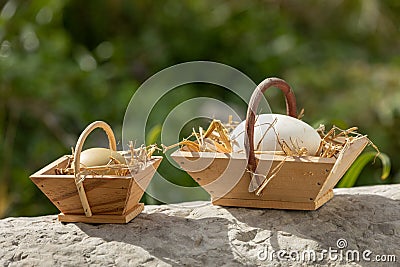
<point x="40" y="172"/>
<point x="242" y="156"/>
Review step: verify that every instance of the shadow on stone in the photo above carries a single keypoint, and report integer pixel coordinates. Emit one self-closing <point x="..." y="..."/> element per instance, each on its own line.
<point x="172" y="239"/>
<point x="365" y="221"/>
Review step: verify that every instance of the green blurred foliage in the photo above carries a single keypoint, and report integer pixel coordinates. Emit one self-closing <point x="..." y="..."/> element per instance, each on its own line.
<point x="64" y="64"/>
<point x="353" y="173"/>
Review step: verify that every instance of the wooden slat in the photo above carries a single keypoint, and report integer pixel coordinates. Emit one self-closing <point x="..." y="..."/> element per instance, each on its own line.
<point x="103" y="195"/>
<point x="272" y="204"/>
<point x="343" y="163"/>
<point x="140" y="182"/>
<point x="49" y="169"/>
<point x="101" y="218"/>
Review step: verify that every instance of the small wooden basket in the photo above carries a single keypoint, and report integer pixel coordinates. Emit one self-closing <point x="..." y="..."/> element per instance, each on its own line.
<point x="302" y="183"/>
<point x="94" y="199"/>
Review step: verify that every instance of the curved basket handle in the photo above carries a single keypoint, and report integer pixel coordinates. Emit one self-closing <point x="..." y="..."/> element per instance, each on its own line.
<point x="251" y="120"/>
<point x="77" y="157"/>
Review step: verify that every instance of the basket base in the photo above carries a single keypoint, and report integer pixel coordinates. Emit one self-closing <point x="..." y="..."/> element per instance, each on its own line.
<point x="274" y="204"/>
<point x="103" y="218"/>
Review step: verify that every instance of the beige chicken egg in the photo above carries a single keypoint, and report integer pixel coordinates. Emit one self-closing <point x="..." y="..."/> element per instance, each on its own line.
<point x="99" y="156"/>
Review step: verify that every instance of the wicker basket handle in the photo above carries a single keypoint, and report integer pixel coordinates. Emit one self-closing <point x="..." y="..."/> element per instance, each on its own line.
<point x="77" y="157"/>
<point x="251" y="120"/>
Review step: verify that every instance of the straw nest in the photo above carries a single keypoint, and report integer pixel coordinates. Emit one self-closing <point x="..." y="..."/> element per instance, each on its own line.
<point x="136" y="159"/>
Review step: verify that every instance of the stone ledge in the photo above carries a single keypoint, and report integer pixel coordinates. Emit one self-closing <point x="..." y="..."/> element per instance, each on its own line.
<point x="368" y="218"/>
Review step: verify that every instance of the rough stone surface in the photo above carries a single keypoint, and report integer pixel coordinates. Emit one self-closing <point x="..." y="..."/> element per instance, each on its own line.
<point x="368" y="218"/>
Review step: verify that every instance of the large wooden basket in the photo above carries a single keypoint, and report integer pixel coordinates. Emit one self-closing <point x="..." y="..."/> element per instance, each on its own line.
<point x="94" y="199"/>
<point x="302" y="183"/>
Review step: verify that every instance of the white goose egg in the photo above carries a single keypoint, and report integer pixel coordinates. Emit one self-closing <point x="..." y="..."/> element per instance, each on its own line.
<point x="289" y="129"/>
